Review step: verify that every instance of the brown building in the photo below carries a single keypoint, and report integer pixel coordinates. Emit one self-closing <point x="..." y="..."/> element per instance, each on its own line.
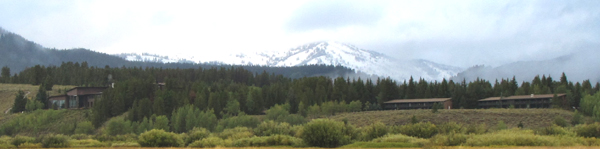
<point x="58" y="102"/>
<point x="521" y="101"/>
<point x="398" y="104"/>
<point x="78" y="97"/>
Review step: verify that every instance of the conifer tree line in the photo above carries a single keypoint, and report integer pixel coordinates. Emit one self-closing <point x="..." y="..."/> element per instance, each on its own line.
<point x="227" y="91"/>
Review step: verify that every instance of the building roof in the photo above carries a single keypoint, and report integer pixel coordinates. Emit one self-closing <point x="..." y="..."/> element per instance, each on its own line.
<point x="418" y="100"/>
<point x="519" y="97"/>
<point x="86" y="88"/>
<point x="56" y="96"/>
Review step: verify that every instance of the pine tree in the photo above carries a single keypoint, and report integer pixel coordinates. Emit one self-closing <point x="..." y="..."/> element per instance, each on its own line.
<point x="213" y="102"/>
<point x="20" y="102"/>
<point x="233" y="106"/>
<point x="48" y="83"/>
<point x="201" y="100"/>
<point x="157" y="106"/>
<point x="42" y="96"/>
<point x="5" y="77"/>
<point x="563" y="79"/>
<point x="144" y="108"/>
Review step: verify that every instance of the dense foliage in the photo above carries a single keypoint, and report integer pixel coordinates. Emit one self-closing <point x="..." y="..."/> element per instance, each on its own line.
<point x="159" y="138"/>
<point x="324" y="133"/>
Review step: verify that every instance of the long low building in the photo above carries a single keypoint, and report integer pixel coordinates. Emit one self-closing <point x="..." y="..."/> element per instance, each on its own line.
<point x="521" y="101"/>
<point x="75" y="98"/>
<point x="401" y="104"/>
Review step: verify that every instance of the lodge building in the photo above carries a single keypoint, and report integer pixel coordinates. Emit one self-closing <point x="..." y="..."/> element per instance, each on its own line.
<point x="76" y="98"/>
<point x="403" y="104"/>
<point x="521" y="101"/>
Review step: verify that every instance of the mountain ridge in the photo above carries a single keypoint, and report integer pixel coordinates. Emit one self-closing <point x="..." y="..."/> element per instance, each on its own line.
<point x="578" y="66"/>
<point x="18" y="53"/>
<point x="335" y="53"/>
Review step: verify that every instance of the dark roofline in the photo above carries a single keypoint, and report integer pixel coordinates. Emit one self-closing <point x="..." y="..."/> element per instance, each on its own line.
<point x="58" y="95"/>
<point x="418" y="100"/>
<point x="84" y="88"/>
<point x="521" y="97"/>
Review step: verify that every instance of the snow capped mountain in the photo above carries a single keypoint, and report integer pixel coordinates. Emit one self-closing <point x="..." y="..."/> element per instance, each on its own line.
<point x="327" y="53"/>
<point x="333" y="53"/>
<point x="146" y="57"/>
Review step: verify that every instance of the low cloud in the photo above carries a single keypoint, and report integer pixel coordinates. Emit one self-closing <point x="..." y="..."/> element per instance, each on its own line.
<point x="327" y="15"/>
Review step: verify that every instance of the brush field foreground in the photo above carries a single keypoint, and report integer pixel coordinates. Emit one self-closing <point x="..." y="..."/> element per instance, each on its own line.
<point x="531" y="118"/>
<point x="444" y="147"/>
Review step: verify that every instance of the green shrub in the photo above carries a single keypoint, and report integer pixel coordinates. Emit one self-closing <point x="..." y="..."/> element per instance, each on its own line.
<point x="414" y="120"/>
<point x="324" y="133"/>
<point x="274" y="140"/>
<point x="118" y="126"/>
<point x="80" y="137"/>
<point x="162" y="122"/>
<point x="560" y="121"/>
<point x="508" y="138"/>
<point x="400" y="138"/>
<point x="577" y="118"/>
<point x="293" y="119"/>
<point x="381" y="145"/>
<point x="296" y="130"/>
<point x="554" y="130"/>
<point x="314" y="111"/>
<point x="276" y="112"/>
<point x="29" y="145"/>
<point x="18" y="140"/>
<point x="187" y="117"/>
<point x="268" y="128"/>
<point x="517" y="137"/>
<point x="421" y="130"/>
<point x="55" y="141"/>
<point x="88" y="143"/>
<point x="449" y="139"/>
<point x="125" y="144"/>
<point x="588" y="130"/>
<point x="374" y="130"/>
<point x="159" y="138"/>
<point x="501" y="125"/>
<point x="210" y="142"/>
<point x="236" y="133"/>
<point x="36" y="121"/>
<point x="352" y="132"/>
<point x="520" y="125"/>
<point x="66" y="128"/>
<point x="84" y="127"/>
<point x="451" y="127"/>
<point x="5" y="142"/>
<point x="196" y="134"/>
<point x="241" y="120"/>
<point x="477" y="129"/>
<point x="118" y="138"/>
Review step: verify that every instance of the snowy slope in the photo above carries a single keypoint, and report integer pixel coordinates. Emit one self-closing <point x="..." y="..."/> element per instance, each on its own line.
<point x="333" y="53"/>
<point x="328" y="53"/>
<point x="146" y="57"/>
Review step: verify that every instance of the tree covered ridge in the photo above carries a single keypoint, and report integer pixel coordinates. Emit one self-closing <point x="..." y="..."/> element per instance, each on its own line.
<point x="19" y="55"/>
<point x="227" y="89"/>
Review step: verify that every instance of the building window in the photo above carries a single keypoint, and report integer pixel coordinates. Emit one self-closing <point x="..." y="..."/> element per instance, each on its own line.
<point x="73" y="102"/>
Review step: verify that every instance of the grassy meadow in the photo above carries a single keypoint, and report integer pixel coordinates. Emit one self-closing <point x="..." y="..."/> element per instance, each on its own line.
<point x="9" y="91"/>
<point x="447" y="129"/>
<point x="531" y="118"/>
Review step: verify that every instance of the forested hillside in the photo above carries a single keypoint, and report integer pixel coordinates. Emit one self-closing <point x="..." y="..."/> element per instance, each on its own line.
<point x="217" y="88"/>
<point x="227" y="100"/>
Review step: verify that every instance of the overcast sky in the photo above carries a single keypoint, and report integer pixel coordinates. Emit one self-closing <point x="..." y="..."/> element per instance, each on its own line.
<point x="460" y="33"/>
